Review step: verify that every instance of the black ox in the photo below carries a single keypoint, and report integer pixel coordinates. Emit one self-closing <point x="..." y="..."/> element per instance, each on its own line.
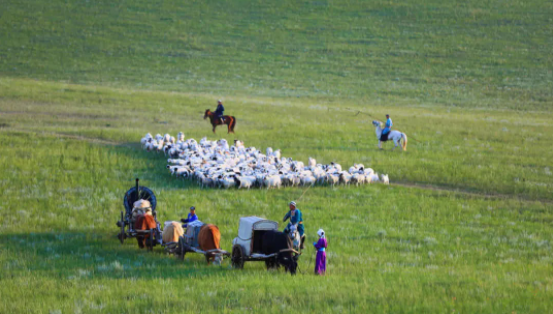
<point x="279" y="242"/>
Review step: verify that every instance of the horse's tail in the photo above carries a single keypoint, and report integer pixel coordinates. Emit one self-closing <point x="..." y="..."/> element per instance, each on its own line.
<point x="404" y="144"/>
<point x="232" y="123"/>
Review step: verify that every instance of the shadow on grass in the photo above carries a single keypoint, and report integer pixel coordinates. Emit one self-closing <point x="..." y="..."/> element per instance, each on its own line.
<point x="156" y="177"/>
<point x="77" y="255"/>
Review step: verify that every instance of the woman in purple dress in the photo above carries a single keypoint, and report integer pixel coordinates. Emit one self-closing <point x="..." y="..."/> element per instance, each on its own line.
<point x="320" y="246"/>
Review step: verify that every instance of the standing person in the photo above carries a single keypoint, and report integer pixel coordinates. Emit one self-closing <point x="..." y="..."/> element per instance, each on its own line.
<point x="387" y="129"/>
<point x="191" y="217"/>
<point x="320" y="246"/>
<point x="220" y="111"/>
<point x="296" y="218"/>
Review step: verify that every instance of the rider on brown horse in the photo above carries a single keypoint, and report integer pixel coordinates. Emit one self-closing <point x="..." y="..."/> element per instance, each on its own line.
<point x="220" y="111"/>
<point x="217" y="118"/>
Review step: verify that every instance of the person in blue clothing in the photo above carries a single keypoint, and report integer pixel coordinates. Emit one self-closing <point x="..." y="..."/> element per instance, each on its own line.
<point x="387" y="129"/>
<point x="296" y="218"/>
<point x="220" y="111"/>
<point x="191" y="217"/>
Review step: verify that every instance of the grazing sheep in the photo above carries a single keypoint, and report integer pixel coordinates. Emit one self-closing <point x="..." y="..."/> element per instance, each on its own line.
<point x="358" y="178"/>
<point x="368" y="171"/>
<point x="216" y="164"/>
<point x="312" y="163"/>
<point x="374" y="178"/>
<point x="146" y="139"/>
<point x="332" y="179"/>
<point x="227" y="182"/>
<point x="245" y="181"/>
<point x="308" y="180"/>
<point x="345" y="178"/>
<point x="273" y="181"/>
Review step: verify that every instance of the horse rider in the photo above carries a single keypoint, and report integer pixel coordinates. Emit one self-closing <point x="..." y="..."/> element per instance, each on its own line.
<point x="296" y="218"/>
<point x="387" y="129"/>
<point x="219" y="111"/>
<point x="191" y="217"/>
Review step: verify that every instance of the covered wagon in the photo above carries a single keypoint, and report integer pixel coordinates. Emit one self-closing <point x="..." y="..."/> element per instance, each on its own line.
<point x="259" y="240"/>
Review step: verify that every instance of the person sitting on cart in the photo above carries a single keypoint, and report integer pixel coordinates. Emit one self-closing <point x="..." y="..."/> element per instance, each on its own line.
<point x="191" y="217"/>
<point x="296" y="218"/>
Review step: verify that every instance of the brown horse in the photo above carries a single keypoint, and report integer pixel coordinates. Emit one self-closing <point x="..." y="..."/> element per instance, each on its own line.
<point x="229" y="120"/>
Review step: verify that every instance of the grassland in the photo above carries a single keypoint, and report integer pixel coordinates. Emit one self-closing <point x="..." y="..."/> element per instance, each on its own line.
<point x="465" y="226"/>
<point x="471" y="54"/>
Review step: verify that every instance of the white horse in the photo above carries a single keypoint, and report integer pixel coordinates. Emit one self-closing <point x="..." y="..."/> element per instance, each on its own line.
<point x="294" y="235"/>
<point x="395" y="136"/>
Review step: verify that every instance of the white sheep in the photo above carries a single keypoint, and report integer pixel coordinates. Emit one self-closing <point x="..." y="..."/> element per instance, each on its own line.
<point x="358" y="178"/>
<point x="308" y="180"/>
<point x="245" y="181"/>
<point x="332" y="179"/>
<point x="273" y="181"/>
<point x="312" y="163"/>
<point x="216" y="164"/>
<point x="345" y="178"/>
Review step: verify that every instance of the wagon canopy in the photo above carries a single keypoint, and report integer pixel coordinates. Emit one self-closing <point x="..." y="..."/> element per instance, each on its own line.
<point x="248" y="224"/>
<point x="145" y="194"/>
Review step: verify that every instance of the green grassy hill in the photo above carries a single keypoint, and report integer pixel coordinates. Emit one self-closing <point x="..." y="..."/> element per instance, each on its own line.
<point x="484" y="54"/>
<point x="465" y="226"/>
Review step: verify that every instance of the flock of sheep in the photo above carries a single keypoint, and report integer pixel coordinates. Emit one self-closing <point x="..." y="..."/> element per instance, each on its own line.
<point x="218" y="165"/>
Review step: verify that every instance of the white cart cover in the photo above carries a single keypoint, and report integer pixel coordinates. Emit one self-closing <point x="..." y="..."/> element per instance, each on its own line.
<point x="245" y="230"/>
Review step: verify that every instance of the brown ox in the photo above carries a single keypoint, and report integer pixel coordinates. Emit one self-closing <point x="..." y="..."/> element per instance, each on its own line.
<point x="209" y="238"/>
<point x="144" y="222"/>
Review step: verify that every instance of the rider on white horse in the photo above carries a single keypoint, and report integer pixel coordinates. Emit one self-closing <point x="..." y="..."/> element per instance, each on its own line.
<point x="386" y="134"/>
<point x="387" y="129"/>
<point x="296" y="221"/>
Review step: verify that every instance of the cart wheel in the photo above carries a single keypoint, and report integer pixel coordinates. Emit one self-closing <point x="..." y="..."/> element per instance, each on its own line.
<point x="181" y="249"/>
<point x="237" y="256"/>
<point x="122" y="234"/>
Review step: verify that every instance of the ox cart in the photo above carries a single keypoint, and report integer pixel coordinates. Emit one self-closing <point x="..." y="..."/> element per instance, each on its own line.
<point x="126" y="223"/>
<point x="189" y="242"/>
<point x="248" y="246"/>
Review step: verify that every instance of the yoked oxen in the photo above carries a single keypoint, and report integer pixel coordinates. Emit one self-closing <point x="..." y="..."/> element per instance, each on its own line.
<point x="280" y="243"/>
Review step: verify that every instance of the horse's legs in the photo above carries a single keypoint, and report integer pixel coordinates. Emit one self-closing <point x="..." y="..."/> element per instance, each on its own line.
<point x="214" y="128"/>
<point x="380" y="144"/>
